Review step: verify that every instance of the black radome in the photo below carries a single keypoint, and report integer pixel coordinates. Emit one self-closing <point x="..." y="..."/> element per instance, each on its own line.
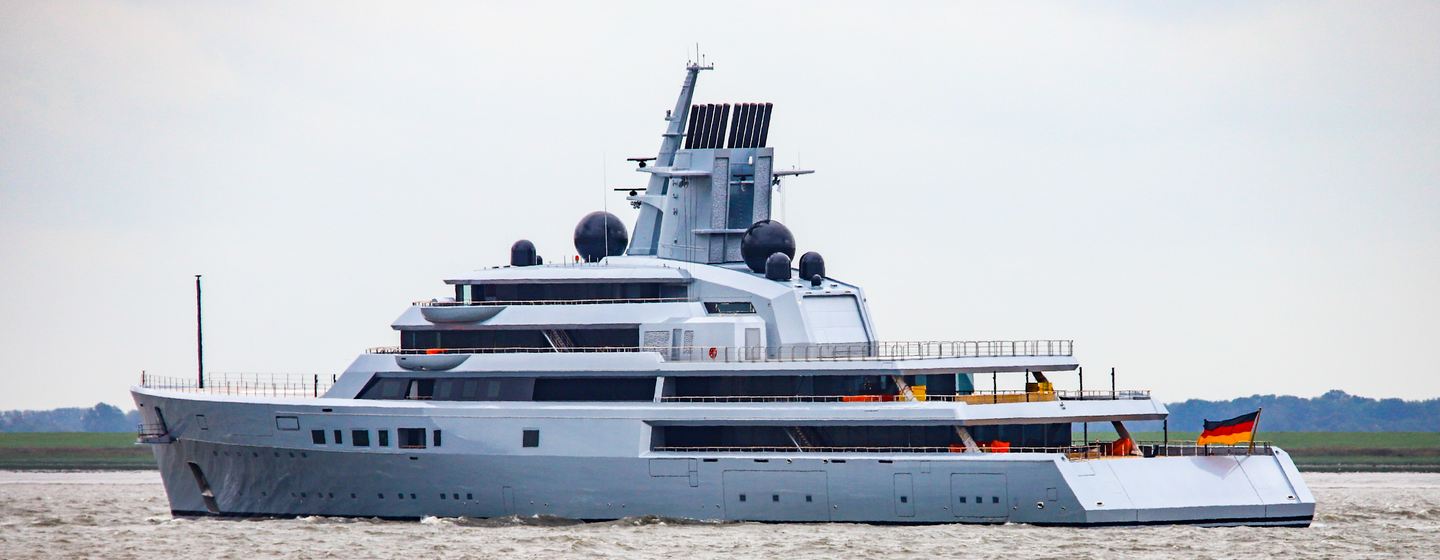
<point x="777" y="267"/>
<point x="522" y="253"/>
<point x="812" y="264"/>
<point x="600" y="234"/>
<point x="765" y="238"/>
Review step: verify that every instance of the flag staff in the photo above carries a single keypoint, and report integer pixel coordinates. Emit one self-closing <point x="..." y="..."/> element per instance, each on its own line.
<point x="1255" y="428"/>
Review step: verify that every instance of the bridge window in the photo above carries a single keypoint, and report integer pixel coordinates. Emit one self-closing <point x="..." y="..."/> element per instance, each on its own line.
<point x="729" y="307"/>
<point x="588" y="291"/>
<point x="628" y="337"/>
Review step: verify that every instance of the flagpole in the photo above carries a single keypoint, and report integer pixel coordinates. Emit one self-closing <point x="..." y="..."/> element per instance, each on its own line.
<point x="1254" y="429"/>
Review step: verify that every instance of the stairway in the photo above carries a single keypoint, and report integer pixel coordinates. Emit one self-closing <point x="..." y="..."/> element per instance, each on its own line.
<point x="558" y="339"/>
<point x="803" y="437"/>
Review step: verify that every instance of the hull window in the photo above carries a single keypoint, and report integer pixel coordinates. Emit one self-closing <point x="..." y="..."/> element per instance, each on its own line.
<point x="383" y="437"/>
<point x="360" y="438"/>
<point x="530" y="438"/>
<point x="317" y="437"/>
<point x="411" y="438"/>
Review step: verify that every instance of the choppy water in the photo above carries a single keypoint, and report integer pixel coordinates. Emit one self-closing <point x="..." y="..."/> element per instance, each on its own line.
<point x="124" y="515"/>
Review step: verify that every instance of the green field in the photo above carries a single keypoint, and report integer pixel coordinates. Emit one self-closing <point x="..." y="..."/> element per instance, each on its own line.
<point x="73" y="450"/>
<point x="1336" y="451"/>
<point x="1312" y="451"/>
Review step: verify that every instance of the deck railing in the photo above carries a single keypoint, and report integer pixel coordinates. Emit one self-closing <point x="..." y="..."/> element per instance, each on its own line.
<point x="502" y="303"/>
<point x="987" y="397"/>
<point x="246" y="384"/>
<point x="865" y="351"/>
<point x="1098" y="450"/>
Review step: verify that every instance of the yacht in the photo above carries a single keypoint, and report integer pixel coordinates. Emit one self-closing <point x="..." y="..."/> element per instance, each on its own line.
<point x="692" y="367"/>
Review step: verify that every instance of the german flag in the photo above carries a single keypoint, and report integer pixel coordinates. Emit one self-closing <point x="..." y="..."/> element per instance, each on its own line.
<point x="1239" y="429"/>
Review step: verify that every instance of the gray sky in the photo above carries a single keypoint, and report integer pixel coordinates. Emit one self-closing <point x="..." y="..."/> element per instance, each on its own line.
<point x="1219" y="198"/>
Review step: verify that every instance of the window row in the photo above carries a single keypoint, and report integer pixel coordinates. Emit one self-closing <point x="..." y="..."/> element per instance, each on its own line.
<point x="410" y="438"/>
<point x="510" y="389"/>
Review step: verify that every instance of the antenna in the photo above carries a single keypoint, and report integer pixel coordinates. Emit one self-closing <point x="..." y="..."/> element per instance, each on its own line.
<point x="604" y="198"/>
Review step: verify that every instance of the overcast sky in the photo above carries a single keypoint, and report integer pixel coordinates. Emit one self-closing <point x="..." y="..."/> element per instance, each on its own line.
<point x="1217" y="198"/>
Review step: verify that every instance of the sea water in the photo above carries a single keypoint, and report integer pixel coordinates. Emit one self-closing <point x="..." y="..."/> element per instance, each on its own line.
<point x="125" y="515"/>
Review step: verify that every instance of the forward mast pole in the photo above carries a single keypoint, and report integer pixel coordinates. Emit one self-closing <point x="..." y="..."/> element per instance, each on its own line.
<point x="199" y="339"/>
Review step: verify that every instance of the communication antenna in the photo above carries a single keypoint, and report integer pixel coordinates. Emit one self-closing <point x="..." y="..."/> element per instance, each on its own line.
<point x="605" y="199"/>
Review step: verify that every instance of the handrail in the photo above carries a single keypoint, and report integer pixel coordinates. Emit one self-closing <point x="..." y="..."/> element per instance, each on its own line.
<point x="502" y="303"/>
<point x="1068" y="449"/>
<point x="861" y="351"/>
<point x="246" y="384"/>
<point x="1192" y="449"/>
<point x="978" y="397"/>
<point x="1095" y="450"/>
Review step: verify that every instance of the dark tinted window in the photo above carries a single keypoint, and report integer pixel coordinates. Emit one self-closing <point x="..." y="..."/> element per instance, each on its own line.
<point x="728" y="307"/>
<point x="530" y="438"/>
<point x="437" y="437"/>
<point x="411" y="438"/>
<point x="384" y="437"/>
<point x="338" y="439"/>
<point x="317" y="436"/>
<point x="360" y="438"/>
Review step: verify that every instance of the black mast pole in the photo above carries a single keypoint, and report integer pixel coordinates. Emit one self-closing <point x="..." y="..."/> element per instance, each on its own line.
<point x="199" y="339"/>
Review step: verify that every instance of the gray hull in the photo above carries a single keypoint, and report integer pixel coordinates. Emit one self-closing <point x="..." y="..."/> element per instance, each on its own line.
<point x="253" y="469"/>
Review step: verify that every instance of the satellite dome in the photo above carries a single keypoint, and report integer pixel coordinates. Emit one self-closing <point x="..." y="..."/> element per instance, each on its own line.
<point x="765" y="238"/>
<point x="777" y="267"/>
<point x="811" y="264"/>
<point x="522" y="253"/>
<point x="600" y="234"/>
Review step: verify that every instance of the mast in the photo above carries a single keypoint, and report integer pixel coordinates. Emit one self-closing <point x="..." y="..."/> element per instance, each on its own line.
<point x="646" y="234"/>
<point x="199" y="339"/>
<point x="670" y="142"/>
